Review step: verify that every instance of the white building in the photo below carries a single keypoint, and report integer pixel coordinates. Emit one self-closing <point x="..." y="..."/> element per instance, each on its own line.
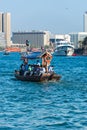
<point x="36" y="38"/>
<point x="76" y="38"/>
<point x="57" y="37"/>
<point x="64" y="37"/>
<point x="85" y="22"/>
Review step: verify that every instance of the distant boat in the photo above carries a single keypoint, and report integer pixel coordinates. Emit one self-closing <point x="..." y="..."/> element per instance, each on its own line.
<point x="30" y="55"/>
<point x="6" y="53"/>
<point x="63" y="48"/>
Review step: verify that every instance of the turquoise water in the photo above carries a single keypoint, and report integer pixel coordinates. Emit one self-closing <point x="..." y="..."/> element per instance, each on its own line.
<point x="58" y="105"/>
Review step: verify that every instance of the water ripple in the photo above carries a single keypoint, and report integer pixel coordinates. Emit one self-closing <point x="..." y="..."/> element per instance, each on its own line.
<point x="44" y="106"/>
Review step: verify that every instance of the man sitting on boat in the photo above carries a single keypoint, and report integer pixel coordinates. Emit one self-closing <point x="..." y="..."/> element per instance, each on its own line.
<point x="42" y="70"/>
<point x="38" y="63"/>
<point x="51" y="69"/>
<point x="22" y="69"/>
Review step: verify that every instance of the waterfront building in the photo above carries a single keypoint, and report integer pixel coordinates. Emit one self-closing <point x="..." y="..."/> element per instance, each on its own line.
<point x="77" y="38"/>
<point x="85" y="22"/>
<point x="5" y="27"/>
<point x="35" y="38"/>
<point x="57" y="37"/>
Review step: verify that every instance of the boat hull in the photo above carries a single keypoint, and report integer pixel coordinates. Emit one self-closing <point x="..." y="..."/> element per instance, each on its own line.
<point x="38" y="78"/>
<point x="64" y="52"/>
<point x="31" y="55"/>
<point x="64" y="48"/>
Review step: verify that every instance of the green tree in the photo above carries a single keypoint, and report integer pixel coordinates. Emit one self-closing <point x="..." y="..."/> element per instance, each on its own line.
<point x="80" y="44"/>
<point x="84" y="43"/>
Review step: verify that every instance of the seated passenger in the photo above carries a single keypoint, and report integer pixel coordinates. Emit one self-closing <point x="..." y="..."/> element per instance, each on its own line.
<point x="26" y="66"/>
<point x="42" y="70"/>
<point x="51" y="69"/>
<point x="29" y="70"/>
<point x="22" y="69"/>
<point x="38" y="63"/>
<point x="38" y="70"/>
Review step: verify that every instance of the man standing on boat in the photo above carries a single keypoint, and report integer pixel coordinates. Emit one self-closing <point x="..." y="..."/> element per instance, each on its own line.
<point x="46" y="59"/>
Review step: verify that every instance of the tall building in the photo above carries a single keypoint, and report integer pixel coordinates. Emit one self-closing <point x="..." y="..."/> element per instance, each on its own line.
<point x="2" y="40"/>
<point x="0" y="22"/>
<point x="5" y="26"/>
<point x="85" y="22"/>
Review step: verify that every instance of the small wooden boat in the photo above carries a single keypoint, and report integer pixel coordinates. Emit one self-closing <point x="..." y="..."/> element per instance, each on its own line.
<point x="38" y="78"/>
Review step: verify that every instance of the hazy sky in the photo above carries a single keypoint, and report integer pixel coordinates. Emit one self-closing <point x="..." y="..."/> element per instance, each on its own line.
<point x="56" y="16"/>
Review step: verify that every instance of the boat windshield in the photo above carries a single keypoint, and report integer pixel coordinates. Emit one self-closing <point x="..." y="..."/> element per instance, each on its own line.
<point x="64" y="43"/>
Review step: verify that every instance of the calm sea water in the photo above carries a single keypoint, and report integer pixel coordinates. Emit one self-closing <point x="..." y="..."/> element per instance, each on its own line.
<point x="58" y="105"/>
